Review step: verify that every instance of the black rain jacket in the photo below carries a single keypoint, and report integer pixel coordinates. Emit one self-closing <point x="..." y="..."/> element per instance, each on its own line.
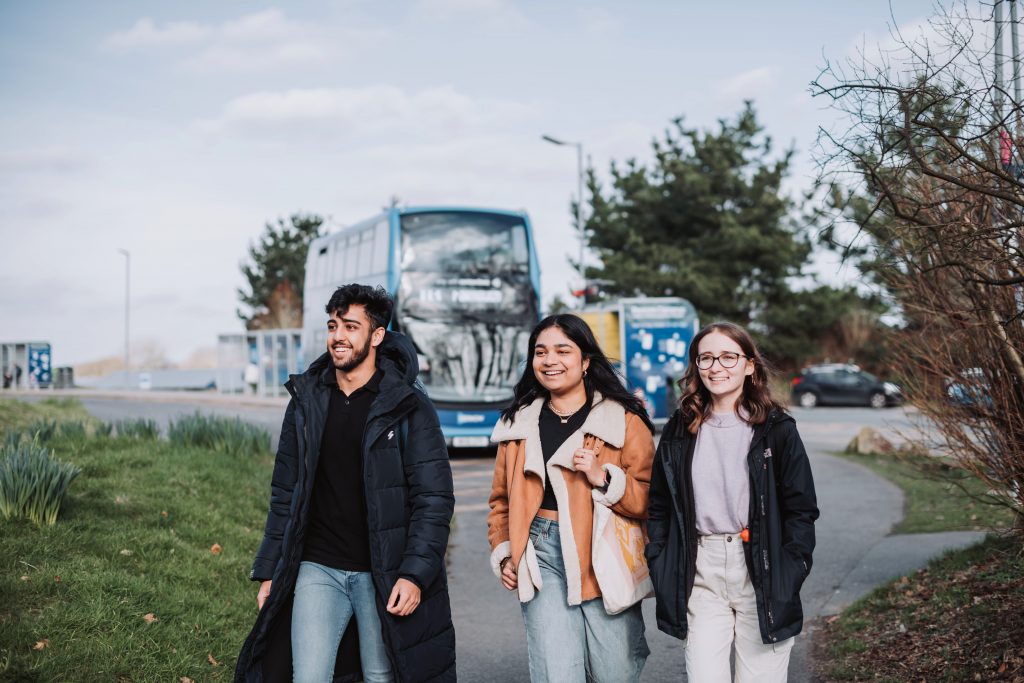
<point x="409" y="501"/>
<point x="783" y="508"/>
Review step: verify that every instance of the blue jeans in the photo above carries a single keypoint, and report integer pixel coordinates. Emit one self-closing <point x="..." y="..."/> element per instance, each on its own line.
<point x="577" y="643"/>
<point x="325" y="600"/>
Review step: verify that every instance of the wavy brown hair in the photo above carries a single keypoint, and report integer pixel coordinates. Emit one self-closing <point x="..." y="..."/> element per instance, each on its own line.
<point x="756" y="400"/>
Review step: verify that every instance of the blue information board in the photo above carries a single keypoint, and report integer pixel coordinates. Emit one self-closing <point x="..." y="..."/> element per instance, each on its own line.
<point x="656" y="335"/>
<point x="40" y="371"/>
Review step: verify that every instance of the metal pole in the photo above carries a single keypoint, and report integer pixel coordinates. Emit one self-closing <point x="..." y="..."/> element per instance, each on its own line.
<point x="998" y="81"/>
<point x="1015" y="44"/>
<point x="579" y="206"/>
<point x="579" y="220"/>
<point x="127" y="316"/>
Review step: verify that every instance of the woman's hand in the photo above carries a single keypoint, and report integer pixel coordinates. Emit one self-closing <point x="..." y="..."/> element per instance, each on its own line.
<point x="584" y="461"/>
<point x="263" y="594"/>
<point x="509" y="578"/>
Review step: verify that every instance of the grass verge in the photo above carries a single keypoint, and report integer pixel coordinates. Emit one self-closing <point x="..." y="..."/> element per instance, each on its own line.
<point x="16" y="414"/>
<point x="939" y="497"/>
<point x="961" y="619"/>
<point x="144" y="577"/>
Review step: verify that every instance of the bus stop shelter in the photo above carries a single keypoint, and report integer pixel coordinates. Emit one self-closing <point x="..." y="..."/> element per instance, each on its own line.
<point x="26" y="365"/>
<point x="258" y="362"/>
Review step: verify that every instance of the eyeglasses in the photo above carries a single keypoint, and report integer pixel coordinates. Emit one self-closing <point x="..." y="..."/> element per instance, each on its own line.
<point x="726" y="360"/>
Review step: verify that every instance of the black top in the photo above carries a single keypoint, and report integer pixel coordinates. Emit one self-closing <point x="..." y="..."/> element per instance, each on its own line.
<point x="553" y="433"/>
<point x="338" y="535"/>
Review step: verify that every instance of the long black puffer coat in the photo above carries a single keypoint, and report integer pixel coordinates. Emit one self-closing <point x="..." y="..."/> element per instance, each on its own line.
<point x="409" y="500"/>
<point x="782" y="512"/>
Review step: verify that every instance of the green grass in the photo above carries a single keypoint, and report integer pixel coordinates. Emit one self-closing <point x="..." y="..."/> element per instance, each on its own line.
<point x="19" y="414"/>
<point x="134" y="538"/>
<point x="939" y="497"/>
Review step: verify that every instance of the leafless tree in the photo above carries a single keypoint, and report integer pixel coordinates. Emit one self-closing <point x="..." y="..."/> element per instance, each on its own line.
<point x="923" y="186"/>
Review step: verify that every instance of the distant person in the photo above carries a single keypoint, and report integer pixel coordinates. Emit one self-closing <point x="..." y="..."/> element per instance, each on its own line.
<point x="732" y="470"/>
<point x="572" y="438"/>
<point x="8" y="378"/>
<point x="360" y="507"/>
<point x="251" y="377"/>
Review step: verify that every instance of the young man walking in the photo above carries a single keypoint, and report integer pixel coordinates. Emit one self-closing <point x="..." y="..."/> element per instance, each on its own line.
<point x="360" y="506"/>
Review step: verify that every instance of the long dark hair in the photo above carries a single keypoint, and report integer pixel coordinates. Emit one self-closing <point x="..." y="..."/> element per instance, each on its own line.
<point x="600" y="374"/>
<point x="756" y="399"/>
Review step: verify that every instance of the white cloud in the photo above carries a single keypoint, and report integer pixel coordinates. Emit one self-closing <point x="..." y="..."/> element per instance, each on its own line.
<point x="598" y="21"/>
<point x="43" y="159"/>
<point x="368" y="109"/>
<point x="254" y="42"/>
<point x="146" y="34"/>
<point x="503" y="13"/>
<point x="749" y="83"/>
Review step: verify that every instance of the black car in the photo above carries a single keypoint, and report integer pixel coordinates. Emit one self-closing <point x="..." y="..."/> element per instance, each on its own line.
<point x="840" y="384"/>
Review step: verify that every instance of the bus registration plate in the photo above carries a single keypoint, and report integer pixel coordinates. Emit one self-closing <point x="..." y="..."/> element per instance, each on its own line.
<point x="470" y="441"/>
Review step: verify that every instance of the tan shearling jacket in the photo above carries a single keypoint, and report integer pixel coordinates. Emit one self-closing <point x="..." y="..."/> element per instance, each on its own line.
<point x="625" y="449"/>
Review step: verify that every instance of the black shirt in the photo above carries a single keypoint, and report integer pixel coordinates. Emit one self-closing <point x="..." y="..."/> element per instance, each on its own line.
<point x="338" y="535"/>
<point x="553" y="433"/>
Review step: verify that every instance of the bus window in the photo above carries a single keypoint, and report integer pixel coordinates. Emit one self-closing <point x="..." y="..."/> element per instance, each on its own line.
<point x="351" y="254"/>
<point x="365" y="252"/>
<point x="381" y="244"/>
<point x="337" y="262"/>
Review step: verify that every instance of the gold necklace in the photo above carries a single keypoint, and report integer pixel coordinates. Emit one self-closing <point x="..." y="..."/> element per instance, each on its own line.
<point x="564" y="417"/>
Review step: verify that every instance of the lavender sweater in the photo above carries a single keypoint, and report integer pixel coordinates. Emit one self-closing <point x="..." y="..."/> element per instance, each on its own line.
<point x="721" y="485"/>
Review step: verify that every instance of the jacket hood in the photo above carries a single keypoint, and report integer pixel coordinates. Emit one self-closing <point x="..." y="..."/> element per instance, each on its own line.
<point x="678" y="422"/>
<point x="396" y="354"/>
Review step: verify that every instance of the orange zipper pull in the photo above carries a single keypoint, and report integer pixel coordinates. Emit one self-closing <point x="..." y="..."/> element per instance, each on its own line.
<point x="745" y="534"/>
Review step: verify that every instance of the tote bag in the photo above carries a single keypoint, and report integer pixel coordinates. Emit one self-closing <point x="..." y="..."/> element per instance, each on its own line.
<point x="618" y="558"/>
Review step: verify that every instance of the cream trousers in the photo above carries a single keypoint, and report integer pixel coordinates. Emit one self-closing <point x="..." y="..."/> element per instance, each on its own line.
<point x="722" y="614"/>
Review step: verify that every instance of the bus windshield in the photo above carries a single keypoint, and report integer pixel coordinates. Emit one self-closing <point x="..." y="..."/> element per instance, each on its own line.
<point x="466" y="300"/>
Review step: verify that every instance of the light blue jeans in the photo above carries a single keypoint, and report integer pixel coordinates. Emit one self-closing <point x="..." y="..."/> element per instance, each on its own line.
<point x="577" y="643"/>
<point x="325" y="600"/>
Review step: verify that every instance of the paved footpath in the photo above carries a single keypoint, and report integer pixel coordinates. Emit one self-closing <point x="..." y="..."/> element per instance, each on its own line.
<point x="855" y="551"/>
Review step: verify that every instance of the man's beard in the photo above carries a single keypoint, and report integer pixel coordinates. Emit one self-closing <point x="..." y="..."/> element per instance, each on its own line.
<point x="356" y="360"/>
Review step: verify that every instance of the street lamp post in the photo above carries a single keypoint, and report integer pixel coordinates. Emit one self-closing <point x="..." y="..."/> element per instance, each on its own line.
<point x="579" y="206"/>
<point x="127" y="314"/>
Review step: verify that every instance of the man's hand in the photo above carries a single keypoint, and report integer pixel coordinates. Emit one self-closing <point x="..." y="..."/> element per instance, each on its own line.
<point x="509" y="577"/>
<point x="405" y="598"/>
<point x="264" y="593"/>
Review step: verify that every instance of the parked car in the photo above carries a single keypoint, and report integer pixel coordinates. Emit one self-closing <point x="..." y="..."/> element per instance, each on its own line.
<point x="843" y="384"/>
<point x="970" y="390"/>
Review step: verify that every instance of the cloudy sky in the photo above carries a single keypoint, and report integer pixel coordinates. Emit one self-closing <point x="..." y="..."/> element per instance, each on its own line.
<point x="176" y="130"/>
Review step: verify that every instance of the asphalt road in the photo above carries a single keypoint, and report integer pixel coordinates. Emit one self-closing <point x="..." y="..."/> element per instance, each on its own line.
<point x="858" y="510"/>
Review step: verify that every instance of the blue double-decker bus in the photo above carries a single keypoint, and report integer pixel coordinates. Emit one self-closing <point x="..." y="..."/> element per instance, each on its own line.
<point x="467" y="293"/>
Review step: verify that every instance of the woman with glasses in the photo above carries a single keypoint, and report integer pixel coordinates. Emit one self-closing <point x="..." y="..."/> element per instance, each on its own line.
<point x="732" y="510"/>
<point x="572" y="438"/>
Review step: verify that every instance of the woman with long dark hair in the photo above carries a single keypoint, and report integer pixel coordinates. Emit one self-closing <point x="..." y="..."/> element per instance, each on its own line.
<point x="572" y="438"/>
<point x="732" y="511"/>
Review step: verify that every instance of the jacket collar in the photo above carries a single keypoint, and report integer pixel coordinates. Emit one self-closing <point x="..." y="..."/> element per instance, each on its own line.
<point x="606" y="421"/>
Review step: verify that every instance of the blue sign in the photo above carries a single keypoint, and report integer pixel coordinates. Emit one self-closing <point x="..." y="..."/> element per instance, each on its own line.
<point x="40" y="370"/>
<point x="656" y="335"/>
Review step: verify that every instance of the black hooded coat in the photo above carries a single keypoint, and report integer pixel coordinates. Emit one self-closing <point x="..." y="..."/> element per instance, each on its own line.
<point x="783" y="508"/>
<point x="409" y="501"/>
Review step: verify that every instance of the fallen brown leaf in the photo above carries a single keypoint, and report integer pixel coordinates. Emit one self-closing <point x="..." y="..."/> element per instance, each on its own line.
<point x="185" y="679"/>
<point x="211" y="660"/>
<point x="41" y="644"/>
<point x="56" y="579"/>
<point x="215" y="548"/>
<point x="149" y="618"/>
<point x="24" y="577"/>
